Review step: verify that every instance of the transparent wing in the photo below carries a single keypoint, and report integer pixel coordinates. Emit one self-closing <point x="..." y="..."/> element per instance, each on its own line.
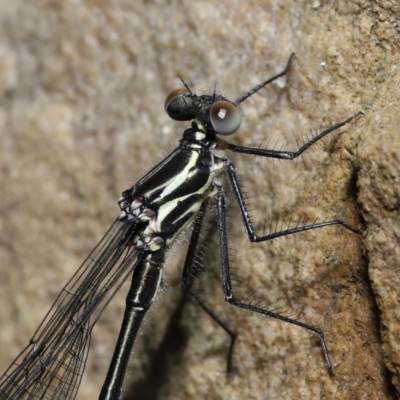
<point x="52" y="364"/>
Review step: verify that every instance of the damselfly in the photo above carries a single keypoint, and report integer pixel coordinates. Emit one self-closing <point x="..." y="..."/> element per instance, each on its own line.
<point x="154" y="211"/>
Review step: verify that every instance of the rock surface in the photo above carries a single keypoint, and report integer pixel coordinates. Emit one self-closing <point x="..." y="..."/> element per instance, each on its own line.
<point x="82" y="86"/>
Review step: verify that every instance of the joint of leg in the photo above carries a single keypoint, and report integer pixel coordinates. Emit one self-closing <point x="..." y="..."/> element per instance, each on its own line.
<point x="254" y="238"/>
<point x="229" y="298"/>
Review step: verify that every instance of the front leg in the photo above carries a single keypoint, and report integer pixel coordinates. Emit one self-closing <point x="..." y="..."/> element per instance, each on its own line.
<point x="282" y="154"/>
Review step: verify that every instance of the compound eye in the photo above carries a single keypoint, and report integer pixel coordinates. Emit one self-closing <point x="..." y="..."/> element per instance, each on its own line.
<point x="225" y="117"/>
<point x="173" y="95"/>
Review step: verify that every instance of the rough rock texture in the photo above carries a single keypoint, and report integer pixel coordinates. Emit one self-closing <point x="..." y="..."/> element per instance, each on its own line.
<point x="82" y="86"/>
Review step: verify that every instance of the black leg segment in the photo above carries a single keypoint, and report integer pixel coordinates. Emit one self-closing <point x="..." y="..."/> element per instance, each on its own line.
<point x="289" y="155"/>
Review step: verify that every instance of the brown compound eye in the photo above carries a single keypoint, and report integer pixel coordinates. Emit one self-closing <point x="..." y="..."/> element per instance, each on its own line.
<point x="174" y="94"/>
<point x="225" y="117"/>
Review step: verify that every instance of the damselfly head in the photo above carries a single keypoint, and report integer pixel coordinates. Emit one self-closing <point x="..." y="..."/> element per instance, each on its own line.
<point x="217" y="113"/>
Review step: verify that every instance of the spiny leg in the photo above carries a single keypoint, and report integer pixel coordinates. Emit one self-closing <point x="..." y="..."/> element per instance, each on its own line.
<point x="250" y="232"/>
<point x="187" y="280"/>
<point x="227" y="281"/>
<point x="284" y="155"/>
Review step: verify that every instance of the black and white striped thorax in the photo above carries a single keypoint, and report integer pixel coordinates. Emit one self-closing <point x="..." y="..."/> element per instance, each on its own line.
<point x="167" y="199"/>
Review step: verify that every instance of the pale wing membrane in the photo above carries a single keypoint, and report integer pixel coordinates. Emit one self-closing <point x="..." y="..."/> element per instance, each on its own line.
<point x="51" y="366"/>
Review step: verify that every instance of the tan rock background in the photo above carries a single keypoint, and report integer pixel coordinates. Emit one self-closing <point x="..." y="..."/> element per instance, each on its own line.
<point x="82" y="86"/>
